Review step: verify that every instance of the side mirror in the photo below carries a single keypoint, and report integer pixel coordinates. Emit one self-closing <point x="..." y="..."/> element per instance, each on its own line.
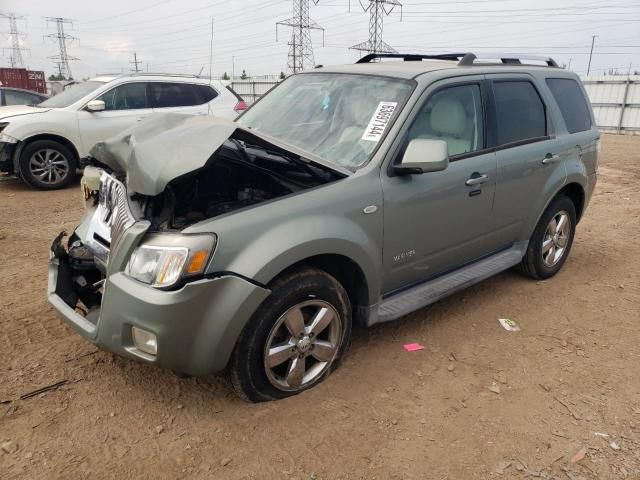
<point x="423" y="155"/>
<point x="95" y="106"/>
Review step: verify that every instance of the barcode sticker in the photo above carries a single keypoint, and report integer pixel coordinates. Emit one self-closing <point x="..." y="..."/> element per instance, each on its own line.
<point x="379" y="121"/>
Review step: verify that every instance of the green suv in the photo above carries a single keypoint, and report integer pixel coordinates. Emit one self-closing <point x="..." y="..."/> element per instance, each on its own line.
<point x="346" y="195"/>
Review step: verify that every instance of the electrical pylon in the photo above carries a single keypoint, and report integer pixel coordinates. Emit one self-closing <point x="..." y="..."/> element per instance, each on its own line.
<point x="300" y="46"/>
<point x="15" y="49"/>
<point x="377" y="9"/>
<point x="62" y="59"/>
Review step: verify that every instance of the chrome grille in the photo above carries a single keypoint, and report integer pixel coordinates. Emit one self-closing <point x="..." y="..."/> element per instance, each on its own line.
<point x="113" y="208"/>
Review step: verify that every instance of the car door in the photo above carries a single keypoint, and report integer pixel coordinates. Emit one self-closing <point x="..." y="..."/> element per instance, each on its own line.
<point x="527" y="152"/>
<point x="435" y="222"/>
<point x="125" y="105"/>
<point x="179" y="97"/>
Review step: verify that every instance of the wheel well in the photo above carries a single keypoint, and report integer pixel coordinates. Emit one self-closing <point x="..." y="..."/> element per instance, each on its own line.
<point x="575" y="192"/>
<point x="53" y="138"/>
<point x="350" y="276"/>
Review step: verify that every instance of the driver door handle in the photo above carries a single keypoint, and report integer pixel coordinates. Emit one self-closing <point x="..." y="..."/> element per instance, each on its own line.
<point x="477" y="178"/>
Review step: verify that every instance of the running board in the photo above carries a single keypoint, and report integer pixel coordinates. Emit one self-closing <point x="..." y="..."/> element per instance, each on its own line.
<point x="429" y="292"/>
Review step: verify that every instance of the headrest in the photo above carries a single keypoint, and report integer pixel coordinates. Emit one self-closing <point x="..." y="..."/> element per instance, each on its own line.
<point x="448" y="117"/>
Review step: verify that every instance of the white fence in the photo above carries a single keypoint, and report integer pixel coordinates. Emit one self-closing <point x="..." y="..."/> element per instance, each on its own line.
<point x="252" y="89"/>
<point x="616" y="102"/>
<point x="615" y="99"/>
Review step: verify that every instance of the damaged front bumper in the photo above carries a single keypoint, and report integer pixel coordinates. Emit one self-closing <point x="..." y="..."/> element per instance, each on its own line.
<point x="196" y="326"/>
<point x="7" y="149"/>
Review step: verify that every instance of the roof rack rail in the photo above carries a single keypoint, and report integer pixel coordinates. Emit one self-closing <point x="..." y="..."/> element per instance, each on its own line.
<point x="159" y="74"/>
<point x="412" y="57"/>
<point x="506" y="59"/>
<point x="463" y="59"/>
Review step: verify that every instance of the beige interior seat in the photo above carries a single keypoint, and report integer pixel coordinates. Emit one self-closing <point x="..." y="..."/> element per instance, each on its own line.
<point x="449" y="123"/>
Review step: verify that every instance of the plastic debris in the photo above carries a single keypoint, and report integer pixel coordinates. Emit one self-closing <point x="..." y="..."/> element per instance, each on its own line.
<point x="579" y="455"/>
<point x="413" y="347"/>
<point x="509" y="325"/>
<point x="614" y="445"/>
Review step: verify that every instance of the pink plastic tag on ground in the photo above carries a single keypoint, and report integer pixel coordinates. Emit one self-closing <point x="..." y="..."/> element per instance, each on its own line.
<point x="413" y="347"/>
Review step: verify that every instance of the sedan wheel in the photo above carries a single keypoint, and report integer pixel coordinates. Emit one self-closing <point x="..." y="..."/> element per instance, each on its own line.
<point x="49" y="166"/>
<point x="302" y="344"/>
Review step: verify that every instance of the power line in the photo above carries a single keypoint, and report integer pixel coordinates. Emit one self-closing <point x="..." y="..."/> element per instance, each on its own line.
<point x="378" y="9"/>
<point x="62" y="59"/>
<point x="15" y="49"/>
<point x="300" y="46"/>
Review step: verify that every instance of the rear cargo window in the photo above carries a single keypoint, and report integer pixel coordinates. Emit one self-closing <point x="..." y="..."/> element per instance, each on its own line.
<point x="520" y="113"/>
<point x="572" y="103"/>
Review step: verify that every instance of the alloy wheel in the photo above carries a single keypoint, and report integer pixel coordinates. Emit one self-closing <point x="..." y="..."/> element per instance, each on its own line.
<point x="556" y="237"/>
<point x="302" y="345"/>
<point x="49" y="166"/>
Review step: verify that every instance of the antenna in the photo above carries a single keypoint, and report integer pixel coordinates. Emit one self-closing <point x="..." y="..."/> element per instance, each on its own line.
<point x="15" y="50"/>
<point x="62" y="59"/>
<point x="377" y="9"/>
<point x="300" y="47"/>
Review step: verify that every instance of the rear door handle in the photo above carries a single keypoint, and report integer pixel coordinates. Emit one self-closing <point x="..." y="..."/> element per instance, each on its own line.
<point x="477" y="178"/>
<point x="140" y="119"/>
<point x="550" y="158"/>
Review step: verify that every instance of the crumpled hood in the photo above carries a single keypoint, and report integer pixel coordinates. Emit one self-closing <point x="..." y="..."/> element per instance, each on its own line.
<point x="17" y="110"/>
<point x="169" y="145"/>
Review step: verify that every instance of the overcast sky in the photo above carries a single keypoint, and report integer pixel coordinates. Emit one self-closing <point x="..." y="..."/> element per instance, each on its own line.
<point x="174" y="35"/>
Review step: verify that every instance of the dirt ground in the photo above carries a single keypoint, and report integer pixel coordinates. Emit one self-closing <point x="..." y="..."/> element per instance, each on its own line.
<point x="478" y="402"/>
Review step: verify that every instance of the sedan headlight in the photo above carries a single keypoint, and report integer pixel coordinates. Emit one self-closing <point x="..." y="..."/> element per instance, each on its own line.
<point x="163" y="260"/>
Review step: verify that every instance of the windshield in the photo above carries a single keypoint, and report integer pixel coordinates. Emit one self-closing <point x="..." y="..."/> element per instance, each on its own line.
<point x="71" y="95"/>
<point x="338" y="117"/>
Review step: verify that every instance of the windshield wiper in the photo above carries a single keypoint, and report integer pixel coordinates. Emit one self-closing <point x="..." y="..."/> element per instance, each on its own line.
<point x="314" y="172"/>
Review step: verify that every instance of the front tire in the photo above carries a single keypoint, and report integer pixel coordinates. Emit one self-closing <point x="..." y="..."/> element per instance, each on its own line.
<point x="294" y="340"/>
<point x="551" y="241"/>
<point x="47" y="165"/>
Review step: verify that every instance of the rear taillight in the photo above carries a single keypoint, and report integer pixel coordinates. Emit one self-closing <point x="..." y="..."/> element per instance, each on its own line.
<point x="241" y="106"/>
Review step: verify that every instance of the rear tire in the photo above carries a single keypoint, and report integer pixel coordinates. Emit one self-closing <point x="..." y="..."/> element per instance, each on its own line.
<point x="294" y="340"/>
<point x="47" y="165"/>
<point x="551" y="241"/>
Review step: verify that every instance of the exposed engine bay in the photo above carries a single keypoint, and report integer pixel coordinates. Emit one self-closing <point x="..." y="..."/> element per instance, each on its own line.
<point x="236" y="176"/>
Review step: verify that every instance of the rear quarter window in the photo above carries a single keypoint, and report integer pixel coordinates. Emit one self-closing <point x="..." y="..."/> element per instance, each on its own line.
<point x="205" y="93"/>
<point x="573" y="105"/>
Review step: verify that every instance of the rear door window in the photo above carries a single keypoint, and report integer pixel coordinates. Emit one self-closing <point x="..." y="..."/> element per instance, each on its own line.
<point x="572" y="103"/>
<point x="165" y="95"/>
<point x="520" y="113"/>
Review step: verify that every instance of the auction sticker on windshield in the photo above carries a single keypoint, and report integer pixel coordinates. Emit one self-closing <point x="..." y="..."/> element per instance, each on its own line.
<point x="379" y="121"/>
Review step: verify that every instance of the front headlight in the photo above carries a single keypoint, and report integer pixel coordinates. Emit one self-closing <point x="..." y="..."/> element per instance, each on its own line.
<point x="163" y="260"/>
<point x="4" y="137"/>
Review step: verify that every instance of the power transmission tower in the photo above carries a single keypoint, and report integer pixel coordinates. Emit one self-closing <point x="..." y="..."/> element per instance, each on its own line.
<point x="377" y="9"/>
<point x="135" y="63"/>
<point x="300" y="46"/>
<point x="15" y="50"/>
<point x="62" y="59"/>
